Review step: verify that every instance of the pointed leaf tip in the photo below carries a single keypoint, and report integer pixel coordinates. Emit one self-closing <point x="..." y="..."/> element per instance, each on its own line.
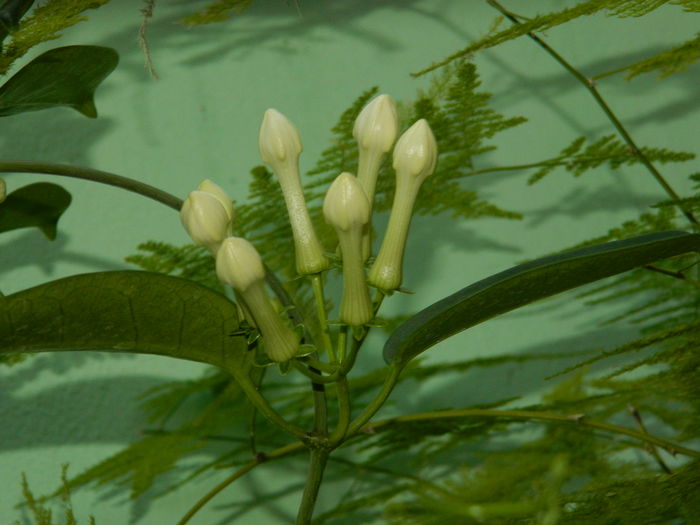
<point x="527" y="283"/>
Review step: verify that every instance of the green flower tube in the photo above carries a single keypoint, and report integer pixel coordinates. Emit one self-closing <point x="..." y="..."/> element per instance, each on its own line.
<point x="346" y="209"/>
<point x="415" y="156"/>
<point x="239" y="265"/>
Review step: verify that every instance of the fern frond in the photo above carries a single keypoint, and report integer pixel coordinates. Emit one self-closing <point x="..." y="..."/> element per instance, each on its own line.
<point x="43" y="515"/>
<point x="606" y="150"/>
<point x="217" y="11"/>
<point x="44" y="23"/>
<point x="669" y="62"/>
<point x="619" y="8"/>
<point x="190" y="262"/>
<point x="637" y="345"/>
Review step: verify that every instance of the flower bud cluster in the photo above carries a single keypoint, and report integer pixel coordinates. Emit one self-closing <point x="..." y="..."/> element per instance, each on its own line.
<point x="208" y="215"/>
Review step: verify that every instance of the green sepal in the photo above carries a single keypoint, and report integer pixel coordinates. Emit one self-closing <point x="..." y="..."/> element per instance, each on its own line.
<point x="65" y="76"/>
<point x="527" y="283"/>
<point x="126" y="311"/>
<point x="40" y="204"/>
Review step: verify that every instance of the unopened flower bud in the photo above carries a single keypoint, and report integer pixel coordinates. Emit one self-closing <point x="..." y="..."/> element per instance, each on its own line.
<point x="206" y="220"/>
<point x="239" y="265"/>
<point x="415" y="156"/>
<point x="208" y="186"/>
<point x="280" y="147"/>
<point x="375" y="130"/>
<point x="346" y="209"/>
<point x="3" y="190"/>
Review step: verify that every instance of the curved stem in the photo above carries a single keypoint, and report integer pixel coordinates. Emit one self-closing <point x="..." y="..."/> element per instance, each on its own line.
<point x="317" y="284"/>
<point x="344" y="412"/>
<point x="314" y="374"/>
<point x="575" y="419"/>
<point x="104" y="177"/>
<point x="590" y="86"/>
<point x="374" y="405"/>
<point x="317" y="465"/>
<point x="279" y="453"/>
<point x="263" y="406"/>
<point x="319" y="365"/>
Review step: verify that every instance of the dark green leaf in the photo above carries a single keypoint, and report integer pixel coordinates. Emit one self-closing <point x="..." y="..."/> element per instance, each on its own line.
<point x="126" y="311"/>
<point x="65" y="76"/>
<point x="40" y="204"/>
<point x="527" y="283"/>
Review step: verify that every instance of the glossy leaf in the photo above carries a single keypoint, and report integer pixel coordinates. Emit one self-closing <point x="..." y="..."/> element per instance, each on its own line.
<point x="527" y="283"/>
<point x="126" y="311"/>
<point x="40" y="204"/>
<point x="65" y="76"/>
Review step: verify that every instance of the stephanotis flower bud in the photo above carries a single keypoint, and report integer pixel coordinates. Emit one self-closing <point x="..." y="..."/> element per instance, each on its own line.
<point x="208" y="186"/>
<point x="206" y="219"/>
<point x="280" y="147"/>
<point x="346" y="209"/>
<point x="375" y="130"/>
<point x="239" y="265"/>
<point x="415" y="156"/>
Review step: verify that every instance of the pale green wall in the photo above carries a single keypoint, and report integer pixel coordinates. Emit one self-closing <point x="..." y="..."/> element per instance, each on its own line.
<point x="201" y="120"/>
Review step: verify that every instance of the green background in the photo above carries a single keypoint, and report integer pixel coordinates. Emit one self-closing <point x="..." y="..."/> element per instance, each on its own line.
<point x="310" y="61"/>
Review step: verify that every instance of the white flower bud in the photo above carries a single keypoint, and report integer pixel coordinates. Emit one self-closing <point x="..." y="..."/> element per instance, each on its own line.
<point x="346" y="209"/>
<point x="415" y="156"/>
<point x="280" y="147"/>
<point x="377" y="125"/>
<point x="205" y="219"/>
<point x="238" y="264"/>
<point x="208" y="186"/>
<point x="3" y="190"/>
<point x="415" y="153"/>
<point x="375" y="130"/>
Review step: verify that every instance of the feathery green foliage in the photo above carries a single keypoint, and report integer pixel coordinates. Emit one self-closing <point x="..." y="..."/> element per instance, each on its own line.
<point x="190" y="262"/>
<point x="669" y="62"/>
<point x="42" y="514"/>
<point x="607" y="150"/>
<point x="217" y="11"/>
<point x="518" y="458"/>
<point x="540" y="23"/>
<point x="44" y="23"/>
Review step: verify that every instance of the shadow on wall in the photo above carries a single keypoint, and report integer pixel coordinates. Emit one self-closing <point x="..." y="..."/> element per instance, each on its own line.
<point x="263" y="25"/>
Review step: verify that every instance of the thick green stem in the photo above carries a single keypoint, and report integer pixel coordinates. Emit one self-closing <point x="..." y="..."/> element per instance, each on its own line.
<point x="589" y="84"/>
<point x="94" y="175"/>
<point x="317" y="465"/>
